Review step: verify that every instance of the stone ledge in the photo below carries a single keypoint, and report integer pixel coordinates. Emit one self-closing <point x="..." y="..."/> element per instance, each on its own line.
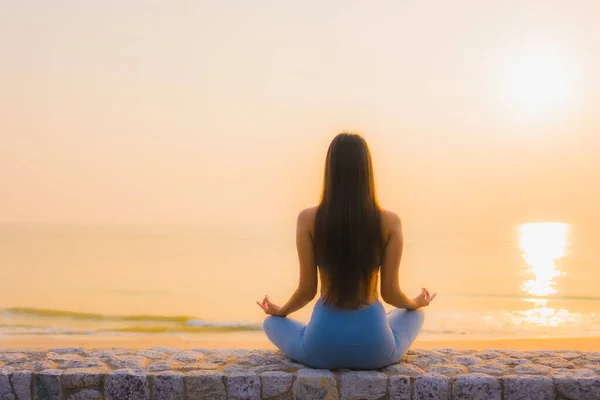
<point x="165" y="373"/>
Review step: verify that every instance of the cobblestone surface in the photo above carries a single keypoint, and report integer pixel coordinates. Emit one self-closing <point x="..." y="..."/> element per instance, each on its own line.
<point x="163" y="373"/>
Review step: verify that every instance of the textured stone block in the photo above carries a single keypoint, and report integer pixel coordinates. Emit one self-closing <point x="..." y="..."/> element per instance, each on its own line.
<point x="593" y="367"/>
<point x="166" y="350"/>
<point x="528" y="388"/>
<point x="431" y="387"/>
<point x="35" y="366"/>
<point x="490" y="368"/>
<point x="263" y="357"/>
<point x="578" y="388"/>
<point x="276" y="384"/>
<point x="187" y="356"/>
<point x="234" y="368"/>
<point x="127" y="361"/>
<point x="243" y="386"/>
<point x="86" y="394"/>
<point x="403" y="369"/>
<point x="541" y="353"/>
<point x="454" y="352"/>
<point x="510" y="360"/>
<point x="315" y="384"/>
<point x="21" y="382"/>
<point x="554" y="362"/>
<point x="48" y="385"/>
<point x="168" y="385"/>
<point x="466" y="360"/>
<point x="588" y="358"/>
<point x="164" y="365"/>
<point x="399" y="387"/>
<point x="477" y="387"/>
<point x="5" y="375"/>
<point x="85" y="363"/>
<point x="272" y="367"/>
<point x="447" y="369"/>
<point x="363" y="385"/>
<point x="205" y="385"/>
<point x="568" y="354"/>
<point x="13" y="357"/>
<point x="68" y="350"/>
<point x="199" y="366"/>
<point x="532" y="369"/>
<point x="107" y="353"/>
<point x="583" y="373"/>
<point x="487" y="354"/>
<point x="63" y="357"/>
<point x="423" y="360"/>
<point x="131" y="384"/>
<point x="83" y="377"/>
<point x="151" y="353"/>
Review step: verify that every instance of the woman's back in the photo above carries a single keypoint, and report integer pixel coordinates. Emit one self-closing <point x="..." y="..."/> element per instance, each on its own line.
<point x="367" y="293"/>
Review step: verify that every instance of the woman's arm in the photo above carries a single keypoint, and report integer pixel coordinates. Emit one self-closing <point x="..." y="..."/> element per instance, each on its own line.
<point x="390" y="286"/>
<point x="307" y="284"/>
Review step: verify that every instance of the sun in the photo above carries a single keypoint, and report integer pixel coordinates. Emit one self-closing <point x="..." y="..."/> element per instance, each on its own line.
<point x="538" y="81"/>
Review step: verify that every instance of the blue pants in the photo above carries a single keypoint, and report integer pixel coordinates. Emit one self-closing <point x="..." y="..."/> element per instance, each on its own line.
<point x="335" y="338"/>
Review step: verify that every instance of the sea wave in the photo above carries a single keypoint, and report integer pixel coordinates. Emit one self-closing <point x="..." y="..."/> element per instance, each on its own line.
<point x="47" y="321"/>
<point x="135" y="329"/>
<point x="208" y="328"/>
<point x="49" y="313"/>
<point x="40" y="330"/>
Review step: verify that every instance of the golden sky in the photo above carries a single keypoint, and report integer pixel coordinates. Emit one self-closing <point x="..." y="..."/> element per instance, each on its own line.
<point x="479" y="114"/>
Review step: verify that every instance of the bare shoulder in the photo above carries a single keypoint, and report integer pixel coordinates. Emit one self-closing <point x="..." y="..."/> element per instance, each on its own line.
<point x="390" y="219"/>
<point x="390" y="224"/>
<point x="306" y="217"/>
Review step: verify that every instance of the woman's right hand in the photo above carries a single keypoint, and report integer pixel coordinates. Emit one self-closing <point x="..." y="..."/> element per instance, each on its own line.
<point x="424" y="298"/>
<point x="270" y="308"/>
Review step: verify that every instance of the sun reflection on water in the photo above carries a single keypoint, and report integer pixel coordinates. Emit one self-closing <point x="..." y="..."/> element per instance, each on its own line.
<point x="543" y="244"/>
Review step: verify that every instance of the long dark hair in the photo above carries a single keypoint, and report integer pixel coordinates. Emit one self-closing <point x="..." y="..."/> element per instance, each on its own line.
<point x="348" y="241"/>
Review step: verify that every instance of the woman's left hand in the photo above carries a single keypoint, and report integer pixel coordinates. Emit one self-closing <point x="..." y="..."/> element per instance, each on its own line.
<point x="270" y="308"/>
<point x="424" y="298"/>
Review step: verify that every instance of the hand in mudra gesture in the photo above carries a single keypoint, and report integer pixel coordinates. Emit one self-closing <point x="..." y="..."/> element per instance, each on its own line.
<point x="424" y="298"/>
<point x="270" y="308"/>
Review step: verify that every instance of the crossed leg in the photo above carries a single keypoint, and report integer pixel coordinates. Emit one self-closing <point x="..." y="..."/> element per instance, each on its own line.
<point x="405" y="326"/>
<point x="287" y="335"/>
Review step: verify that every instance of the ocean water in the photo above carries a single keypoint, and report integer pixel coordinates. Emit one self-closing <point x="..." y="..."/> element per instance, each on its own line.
<point x="536" y="280"/>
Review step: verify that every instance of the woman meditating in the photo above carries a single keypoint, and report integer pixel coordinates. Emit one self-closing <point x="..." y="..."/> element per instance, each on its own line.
<point x="347" y="240"/>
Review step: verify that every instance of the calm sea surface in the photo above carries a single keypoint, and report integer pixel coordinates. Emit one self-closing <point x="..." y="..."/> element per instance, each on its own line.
<point x="540" y="280"/>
